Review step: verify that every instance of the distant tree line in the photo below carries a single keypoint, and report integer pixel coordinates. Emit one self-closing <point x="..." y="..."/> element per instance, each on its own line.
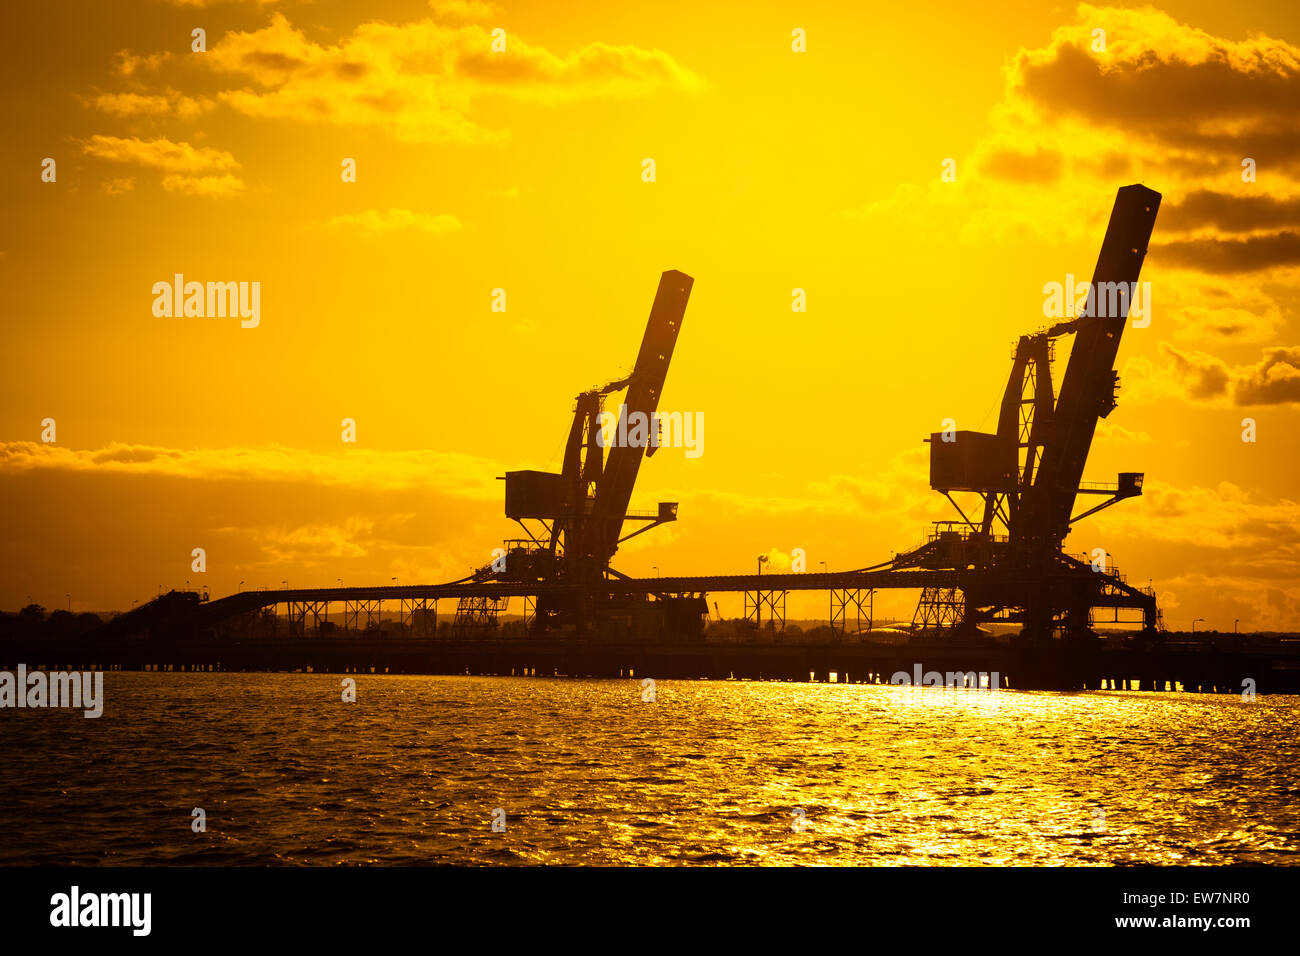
<point x="33" y="622"/>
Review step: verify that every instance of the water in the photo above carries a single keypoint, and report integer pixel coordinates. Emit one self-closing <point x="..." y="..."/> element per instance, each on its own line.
<point x="588" y="773"/>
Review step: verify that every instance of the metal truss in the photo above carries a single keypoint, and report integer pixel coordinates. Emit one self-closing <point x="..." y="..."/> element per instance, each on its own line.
<point x="770" y="602"/>
<point x="860" y="600"/>
<point x="479" y="612"/>
<point x="939" y="607"/>
<point x="417" y="617"/>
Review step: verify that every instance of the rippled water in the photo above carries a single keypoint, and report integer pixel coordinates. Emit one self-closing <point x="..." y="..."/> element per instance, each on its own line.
<point x="586" y="772"/>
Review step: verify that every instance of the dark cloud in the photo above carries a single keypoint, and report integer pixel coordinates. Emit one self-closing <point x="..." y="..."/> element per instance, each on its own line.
<point x="1275" y="381"/>
<point x="1157" y="92"/>
<point x="127" y="453"/>
<point x="1230" y="213"/>
<point x="1234" y="255"/>
<point x="1203" y="376"/>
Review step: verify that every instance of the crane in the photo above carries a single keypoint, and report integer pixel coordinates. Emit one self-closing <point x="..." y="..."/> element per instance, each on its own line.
<point x="582" y="510"/>
<point x="1029" y="473"/>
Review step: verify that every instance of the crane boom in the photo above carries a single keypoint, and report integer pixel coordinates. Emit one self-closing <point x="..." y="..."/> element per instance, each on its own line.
<point x="1088" y="388"/>
<point x="614" y="492"/>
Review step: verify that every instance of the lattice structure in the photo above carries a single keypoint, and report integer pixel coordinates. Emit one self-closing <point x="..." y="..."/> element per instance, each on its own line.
<point x="766" y="609"/>
<point x="851" y="604"/>
<point x="299" y="612"/>
<point x="939" y="607"/>
<point x="352" y="611"/>
<point x="419" y="616"/>
<point x="479" y="612"/>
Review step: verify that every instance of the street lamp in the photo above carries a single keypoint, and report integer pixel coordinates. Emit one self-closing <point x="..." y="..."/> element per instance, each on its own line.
<point x="394" y="580"/>
<point x="241" y="586"/>
<point x="340" y="581"/>
<point x="655" y="569"/>
<point x="1235" y="621"/>
<point x="69" y="597"/>
<point x="1194" y="624"/>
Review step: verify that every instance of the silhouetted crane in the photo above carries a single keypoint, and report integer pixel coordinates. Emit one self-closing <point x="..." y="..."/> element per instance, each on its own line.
<point x="1030" y="471"/>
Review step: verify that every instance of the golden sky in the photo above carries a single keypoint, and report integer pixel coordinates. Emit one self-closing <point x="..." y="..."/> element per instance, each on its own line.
<point x="522" y="170"/>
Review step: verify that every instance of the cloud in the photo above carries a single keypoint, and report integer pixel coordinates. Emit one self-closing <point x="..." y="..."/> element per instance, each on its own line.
<point x="152" y="106"/>
<point x="1260" y="605"/>
<point x="312" y="542"/>
<point x="1273" y="381"/>
<point x="183" y="164"/>
<point x="1161" y="80"/>
<point x="386" y="470"/>
<point x="1109" y="431"/>
<point x="209" y="186"/>
<point x="263" y="514"/>
<point x="1234" y="552"/>
<point x="1223" y="517"/>
<point x="1165" y="103"/>
<point x="1199" y="308"/>
<point x="1230" y="212"/>
<point x="126" y="63"/>
<point x="1227" y="256"/>
<point x="1175" y="107"/>
<point x="162" y="154"/>
<point x="373" y="222"/>
<point x="118" y="186"/>
<point x="420" y="80"/>
<point x="1198" y="377"/>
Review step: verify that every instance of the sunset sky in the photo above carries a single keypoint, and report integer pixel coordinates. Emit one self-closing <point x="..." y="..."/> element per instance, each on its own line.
<point x="522" y="170"/>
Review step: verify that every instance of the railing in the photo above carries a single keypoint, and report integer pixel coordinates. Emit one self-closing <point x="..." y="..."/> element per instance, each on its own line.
<point x="1098" y="488"/>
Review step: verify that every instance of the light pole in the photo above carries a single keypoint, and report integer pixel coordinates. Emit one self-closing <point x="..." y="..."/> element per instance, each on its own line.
<point x="241" y="586"/>
<point x="1235" y="621"/>
<point x="69" y="597"/>
<point x="1194" y="624"/>
<point x="394" y="580"/>
<point x="655" y="569"/>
